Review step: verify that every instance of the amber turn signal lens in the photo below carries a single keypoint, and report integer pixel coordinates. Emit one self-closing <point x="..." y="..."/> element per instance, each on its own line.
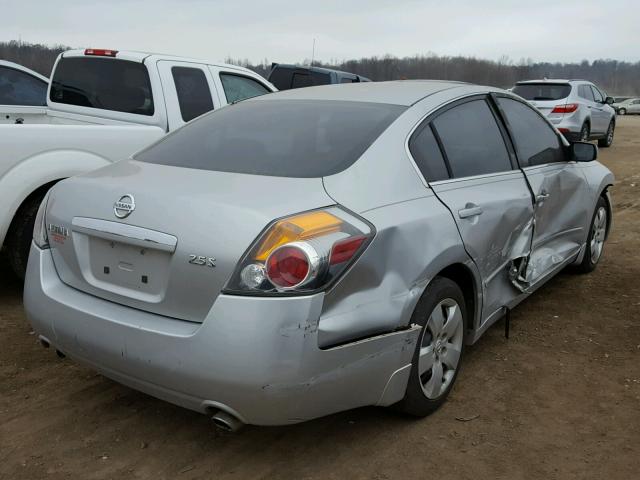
<point x="300" y="227"/>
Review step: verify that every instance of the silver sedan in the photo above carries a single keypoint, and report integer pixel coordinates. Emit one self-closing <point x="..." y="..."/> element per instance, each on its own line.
<point x="314" y="250"/>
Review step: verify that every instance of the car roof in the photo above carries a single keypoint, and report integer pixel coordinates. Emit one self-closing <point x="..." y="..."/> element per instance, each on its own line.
<point x="136" y="56"/>
<point x="553" y="81"/>
<point x="22" y="68"/>
<point x="396" y="92"/>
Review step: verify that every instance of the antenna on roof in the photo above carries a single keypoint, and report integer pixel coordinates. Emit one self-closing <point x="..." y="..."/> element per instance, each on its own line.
<point x="313" y="51"/>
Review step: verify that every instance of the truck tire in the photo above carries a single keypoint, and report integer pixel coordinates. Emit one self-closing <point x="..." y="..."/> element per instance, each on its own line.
<point x="20" y="234"/>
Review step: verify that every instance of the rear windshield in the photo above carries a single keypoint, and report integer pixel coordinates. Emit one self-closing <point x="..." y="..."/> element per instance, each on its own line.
<point x="105" y="83"/>
<point x="543" y="91"/>
<point x="283" y="138"/>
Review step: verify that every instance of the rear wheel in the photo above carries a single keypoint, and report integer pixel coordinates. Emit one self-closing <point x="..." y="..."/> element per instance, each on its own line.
<point x="585" y="132"/>
<point x="20" y="234"/>
<point x="596" y="238"/>
<point x="608" y="140"/>
<point x="436" y="361"/>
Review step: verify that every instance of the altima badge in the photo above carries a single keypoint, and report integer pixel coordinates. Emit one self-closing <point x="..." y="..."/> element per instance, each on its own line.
<point x="123" y="207"/>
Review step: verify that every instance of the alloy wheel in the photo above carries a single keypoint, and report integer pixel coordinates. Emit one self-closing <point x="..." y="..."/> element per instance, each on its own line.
<point x="440" y="348"/>
<point x="599" y="231"/>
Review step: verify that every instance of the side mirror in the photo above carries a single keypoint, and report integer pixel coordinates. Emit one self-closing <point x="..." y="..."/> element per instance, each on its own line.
<point x="609" y="100"/>
<point x="583" y="152"/>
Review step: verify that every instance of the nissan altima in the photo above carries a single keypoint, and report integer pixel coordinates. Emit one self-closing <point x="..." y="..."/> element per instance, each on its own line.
<point x="314" y="250"/>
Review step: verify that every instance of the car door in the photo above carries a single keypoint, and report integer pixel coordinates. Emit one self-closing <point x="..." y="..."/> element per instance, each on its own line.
<point x="483" y="189"/>
<point x="188" y="89"/>
<point x="562" y="205"/>
<point x="599" y="115"/>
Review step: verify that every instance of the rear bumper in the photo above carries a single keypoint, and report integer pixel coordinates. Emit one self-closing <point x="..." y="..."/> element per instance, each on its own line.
<point x="256" y="358"/>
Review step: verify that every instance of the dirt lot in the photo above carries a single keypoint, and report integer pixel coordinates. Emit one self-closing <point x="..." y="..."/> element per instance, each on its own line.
<point x="560" y="399"/>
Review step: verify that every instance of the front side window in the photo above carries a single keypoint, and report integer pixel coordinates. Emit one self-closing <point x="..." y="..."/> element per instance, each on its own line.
<point x="472" y="141"/>
<point x="192" y="88"/>
<point x="282" y="138"/>
<point x="597" y="95"/>
<point x="239" y="87"/>
<point x="535" y="141"/>
<point x="104" y="83"/>
<point x="427" y="155"/>
<point x="20" y="88"/>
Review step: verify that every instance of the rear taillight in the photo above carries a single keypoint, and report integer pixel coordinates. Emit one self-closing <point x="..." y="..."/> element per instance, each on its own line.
<point x="566" y="108"/>
<point x="301" y="254"/>
<point x="100" y="52"/>
<point x="40" y="236"/>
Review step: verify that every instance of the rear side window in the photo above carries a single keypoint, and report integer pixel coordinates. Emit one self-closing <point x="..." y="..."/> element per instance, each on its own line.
<point x="20" y="88"/>
<point x="472" y="141"/>
<point x="584" y="91"/>
<point x="192" y="88"/>
<point x="239" y="87"/>
<point x="105" y="83"/>
<point x="284" y="138"/>
<point x="536" y="142"/>
<point x="301" y="80"/>
<point x="427" y="155"/>
<point x="543" y="91"/>
<point x="281" y="77"/>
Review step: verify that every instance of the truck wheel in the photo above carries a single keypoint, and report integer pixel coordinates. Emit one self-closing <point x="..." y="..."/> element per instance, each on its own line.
<point x="20" y="234"/>
<point x="436" y="361"/>
<point x="608" y="140"/>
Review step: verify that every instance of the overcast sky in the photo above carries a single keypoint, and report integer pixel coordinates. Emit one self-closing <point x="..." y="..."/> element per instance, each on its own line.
<point x="283" y="30"/>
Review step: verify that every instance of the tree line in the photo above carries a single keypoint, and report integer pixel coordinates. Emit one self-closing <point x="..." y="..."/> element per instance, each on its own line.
<point x="615" y="77"/>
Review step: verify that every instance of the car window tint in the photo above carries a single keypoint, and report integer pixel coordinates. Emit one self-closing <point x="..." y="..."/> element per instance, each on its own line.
<point x="597" y="95"/>
<point x="239" y="87"/>
<point x="105" y="83"/>
<point x="20" y="88"/>
<point x="542" y="91"/>
<point x="282" y="138"/>
<point x="427" y="155"/>
<point x="535" y="141"/>
<point x="472" y="140"/>
<point x="194" y="96"/>
<point x="301" y="80"/>
<point x="585" y="92"/>
<point x="281" y="77"/>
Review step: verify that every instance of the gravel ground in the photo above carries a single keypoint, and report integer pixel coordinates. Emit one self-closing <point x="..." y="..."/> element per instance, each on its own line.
<point x="559" y="400"/>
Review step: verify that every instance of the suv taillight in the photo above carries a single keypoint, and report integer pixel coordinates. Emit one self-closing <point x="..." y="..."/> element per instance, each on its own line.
<point x="300" y="254"/>
<point x="566" y="108"/>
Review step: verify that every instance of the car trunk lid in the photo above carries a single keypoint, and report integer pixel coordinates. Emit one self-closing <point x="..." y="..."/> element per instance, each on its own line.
<point x="180" y="237"/>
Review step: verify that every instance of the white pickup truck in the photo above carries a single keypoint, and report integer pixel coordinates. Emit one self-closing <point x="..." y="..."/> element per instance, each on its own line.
<point x="102" y="106"/>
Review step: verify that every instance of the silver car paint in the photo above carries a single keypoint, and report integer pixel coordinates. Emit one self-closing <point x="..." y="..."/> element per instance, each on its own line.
<point x="284" y="360"/>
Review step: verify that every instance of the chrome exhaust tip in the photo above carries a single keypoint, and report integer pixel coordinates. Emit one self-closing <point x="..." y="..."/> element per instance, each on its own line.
<point x="227" y="422"/>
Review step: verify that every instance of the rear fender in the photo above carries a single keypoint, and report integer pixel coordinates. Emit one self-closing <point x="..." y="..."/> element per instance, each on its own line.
<point x="30" y="174"/>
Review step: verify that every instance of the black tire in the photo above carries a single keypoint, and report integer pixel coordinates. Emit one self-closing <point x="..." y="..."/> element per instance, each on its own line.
<point x="20" y="234"/>
<point x="622" y="111"/>
<point x="589" y="262"/>
<point x="607" y="141"/>
<point x="585" y="133"/>
<point x="415" y="401"/>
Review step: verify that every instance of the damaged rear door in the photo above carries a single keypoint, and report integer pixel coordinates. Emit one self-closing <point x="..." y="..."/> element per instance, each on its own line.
<point x="560" y="191"/>
<point x="485" y="191"/>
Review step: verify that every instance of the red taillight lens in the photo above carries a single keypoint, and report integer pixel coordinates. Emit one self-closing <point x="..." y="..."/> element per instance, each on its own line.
<point x="287" y="267"/>
<point x="344" y="250"/>
<point x="566" y="108"/>
<point x="100" y="52"/>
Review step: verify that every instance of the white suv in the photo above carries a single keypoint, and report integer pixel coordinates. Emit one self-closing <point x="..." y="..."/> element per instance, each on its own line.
<point x="577" y="108"/>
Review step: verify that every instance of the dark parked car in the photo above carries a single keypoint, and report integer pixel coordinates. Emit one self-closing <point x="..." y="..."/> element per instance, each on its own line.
<point x="285" y="77"/>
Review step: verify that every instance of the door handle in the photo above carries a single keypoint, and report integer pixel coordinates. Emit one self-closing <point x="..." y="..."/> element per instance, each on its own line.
<point x="542" y="196"/>
<point x="470" y="210"/>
